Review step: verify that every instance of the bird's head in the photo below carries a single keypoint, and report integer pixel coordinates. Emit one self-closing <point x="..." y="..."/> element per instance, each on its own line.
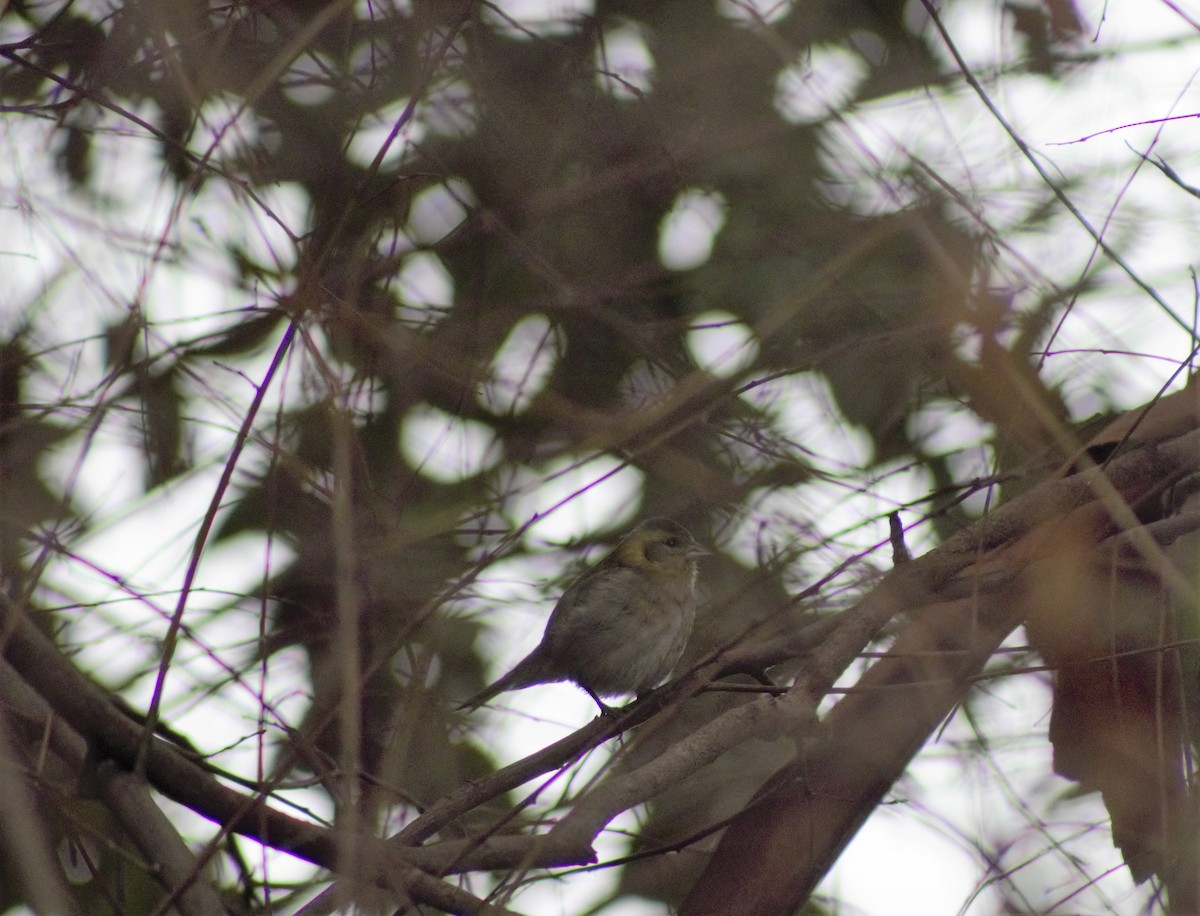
<point x="661" y="545"/>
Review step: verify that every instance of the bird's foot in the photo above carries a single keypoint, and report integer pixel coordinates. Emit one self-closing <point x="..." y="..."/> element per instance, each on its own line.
<point x="608" y="712"/>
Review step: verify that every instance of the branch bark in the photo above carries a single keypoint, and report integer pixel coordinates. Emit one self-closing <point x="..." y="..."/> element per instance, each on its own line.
<point x="109" y="735"/>
<point x="776" y="851"/>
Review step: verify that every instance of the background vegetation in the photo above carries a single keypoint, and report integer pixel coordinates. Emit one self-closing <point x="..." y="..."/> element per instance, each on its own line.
<point x="338" y="337"/>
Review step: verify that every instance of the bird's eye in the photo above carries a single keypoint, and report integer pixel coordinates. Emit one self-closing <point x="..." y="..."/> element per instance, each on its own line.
<point x="672" y="542"/>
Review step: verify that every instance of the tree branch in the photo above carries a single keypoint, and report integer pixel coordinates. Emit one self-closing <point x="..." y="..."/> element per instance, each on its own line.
<point x="108" y="734"/>
<point x="774" y="852"/>
<point x="170" y="862"/>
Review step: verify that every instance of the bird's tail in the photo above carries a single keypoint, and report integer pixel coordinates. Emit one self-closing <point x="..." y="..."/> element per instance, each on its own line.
<point x="482" y="697"/>
<point x="529" y="671"/>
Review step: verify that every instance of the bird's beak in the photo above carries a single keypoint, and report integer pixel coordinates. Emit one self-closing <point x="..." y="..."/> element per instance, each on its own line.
<point x="695" y="552"/>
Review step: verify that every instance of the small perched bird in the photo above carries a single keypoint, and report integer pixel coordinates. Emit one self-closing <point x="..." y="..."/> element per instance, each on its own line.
<point x="621" y="626"/>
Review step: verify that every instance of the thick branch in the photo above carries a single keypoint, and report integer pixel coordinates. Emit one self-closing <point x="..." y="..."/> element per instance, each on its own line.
<point x="24" y="840"/>
<point x="908" y="587"/>
<point x="111" y="735"/>
<point x="760" y="718"/>
<point x="171" y="863"/>
<point x="774" y="853"/>
<point x="777" y="850"/>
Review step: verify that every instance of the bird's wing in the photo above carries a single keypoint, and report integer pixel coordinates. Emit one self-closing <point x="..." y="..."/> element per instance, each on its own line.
<point x="593" y="600"/>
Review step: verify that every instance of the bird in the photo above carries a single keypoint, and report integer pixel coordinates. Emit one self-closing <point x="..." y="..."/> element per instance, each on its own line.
<point x="620" y="628"/>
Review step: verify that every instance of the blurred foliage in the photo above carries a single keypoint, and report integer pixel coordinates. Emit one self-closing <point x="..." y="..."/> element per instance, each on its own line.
<point x="542" y="187"/>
